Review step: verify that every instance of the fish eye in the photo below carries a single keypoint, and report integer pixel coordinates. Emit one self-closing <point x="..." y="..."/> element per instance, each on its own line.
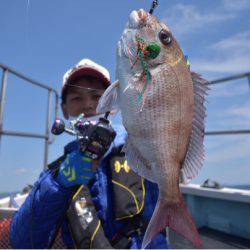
<point x="165" y="37"/>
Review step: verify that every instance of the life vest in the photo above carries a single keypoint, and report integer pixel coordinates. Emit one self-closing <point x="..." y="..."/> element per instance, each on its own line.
<point x="89" y="224"/>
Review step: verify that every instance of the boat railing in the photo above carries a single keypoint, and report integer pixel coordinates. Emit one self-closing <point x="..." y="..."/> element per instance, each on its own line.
<point x="224" y="80"/>
<point x="46" y="137"/>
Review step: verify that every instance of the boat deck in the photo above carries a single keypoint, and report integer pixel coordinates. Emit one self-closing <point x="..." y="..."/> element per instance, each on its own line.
<point x="211" y="239"/>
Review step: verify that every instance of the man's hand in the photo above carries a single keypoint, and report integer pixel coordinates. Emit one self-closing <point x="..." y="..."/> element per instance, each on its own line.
<point x="76" y="169"/>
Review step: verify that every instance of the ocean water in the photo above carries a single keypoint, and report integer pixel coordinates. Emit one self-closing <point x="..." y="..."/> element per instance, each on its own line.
<point x="244" y="187"/>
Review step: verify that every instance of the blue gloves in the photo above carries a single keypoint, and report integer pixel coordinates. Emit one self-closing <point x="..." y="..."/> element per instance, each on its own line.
<point x="76" y="169"/>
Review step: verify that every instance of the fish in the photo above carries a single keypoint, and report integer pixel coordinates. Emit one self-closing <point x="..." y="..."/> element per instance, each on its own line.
<point x="162" y="105"/>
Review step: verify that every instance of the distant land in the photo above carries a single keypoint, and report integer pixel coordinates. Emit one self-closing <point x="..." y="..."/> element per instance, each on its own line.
<point x="245" y="187"/>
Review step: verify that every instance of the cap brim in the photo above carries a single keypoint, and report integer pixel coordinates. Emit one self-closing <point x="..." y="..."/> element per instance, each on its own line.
<point x="88" y="72"/>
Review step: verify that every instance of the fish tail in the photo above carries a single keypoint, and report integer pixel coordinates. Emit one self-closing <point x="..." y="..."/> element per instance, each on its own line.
<point x="175" y="217"/>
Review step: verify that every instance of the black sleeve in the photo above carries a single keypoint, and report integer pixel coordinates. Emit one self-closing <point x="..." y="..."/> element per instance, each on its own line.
<point x="84" y="224"/>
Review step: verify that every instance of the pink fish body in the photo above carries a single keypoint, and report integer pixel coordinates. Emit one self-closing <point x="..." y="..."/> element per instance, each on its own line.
<point x="162" y="107"/>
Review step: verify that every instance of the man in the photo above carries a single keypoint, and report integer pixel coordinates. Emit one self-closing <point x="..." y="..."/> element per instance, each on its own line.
<point x="114" y="205"/>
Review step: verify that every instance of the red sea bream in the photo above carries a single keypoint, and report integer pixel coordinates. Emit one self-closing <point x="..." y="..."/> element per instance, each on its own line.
<point x="162" y="108"/>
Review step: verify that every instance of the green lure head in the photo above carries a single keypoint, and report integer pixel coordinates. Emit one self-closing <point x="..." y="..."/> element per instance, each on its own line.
<point x="153" y="50"/>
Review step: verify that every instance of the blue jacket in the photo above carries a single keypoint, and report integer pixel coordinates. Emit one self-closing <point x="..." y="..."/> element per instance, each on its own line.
<point x="34" y="223"/>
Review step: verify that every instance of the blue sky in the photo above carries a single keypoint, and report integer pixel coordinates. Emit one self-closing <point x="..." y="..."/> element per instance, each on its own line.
<point x="42" y="39"/>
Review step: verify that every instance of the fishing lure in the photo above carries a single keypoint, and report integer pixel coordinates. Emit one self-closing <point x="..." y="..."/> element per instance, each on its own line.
<point x="145" y="52"/>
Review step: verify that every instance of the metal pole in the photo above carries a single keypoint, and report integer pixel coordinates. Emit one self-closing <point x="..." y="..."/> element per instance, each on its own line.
<point x="47" y="129"/>
<point x="248" y="82"/>
<point x="57" y="105"/>
<point x="26" y="78"/>
<point x="228" y="132"/>
<point x="22" y="134"/>
<point x="230" y="78"/>
<point x="2" y="101"/>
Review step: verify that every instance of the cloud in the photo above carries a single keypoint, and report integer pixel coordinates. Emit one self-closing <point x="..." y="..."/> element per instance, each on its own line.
<point x="229" y="116"/>
<point x="236" y="5"/>
<point x="228" y="90"/>
<point x="241" y="116"/>
<point x="238" y="43"/>
<point x="234" y="123"/>
<point x="225" y="174"/>
<point x="20" y="171"/>
<point x="231" y="55"/>
<point x="186" y="18"/>
<point x="236" y="64"/>
<point x="244" y="112"/>
<point x="213" y="144"/>
<point x="238" y="122"/>
<point x="230" y="151"/>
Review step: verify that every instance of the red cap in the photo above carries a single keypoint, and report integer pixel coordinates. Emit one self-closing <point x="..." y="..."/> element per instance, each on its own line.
<point x="86" y="67"/>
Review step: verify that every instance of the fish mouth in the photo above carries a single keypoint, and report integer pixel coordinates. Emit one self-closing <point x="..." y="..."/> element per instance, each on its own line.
<point x="137" y="19"/>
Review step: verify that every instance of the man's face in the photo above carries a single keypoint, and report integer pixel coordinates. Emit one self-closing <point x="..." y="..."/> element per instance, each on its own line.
<point x="82" y="97"/>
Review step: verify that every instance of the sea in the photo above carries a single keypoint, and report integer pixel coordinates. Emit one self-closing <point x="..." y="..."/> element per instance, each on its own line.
<point x="244" y="187"/>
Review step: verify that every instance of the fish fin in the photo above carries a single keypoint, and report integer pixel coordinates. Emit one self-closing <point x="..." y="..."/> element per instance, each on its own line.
<point x="195" y="153"/>
<point x="175" y="217"/>
<point x="136" y="162"/>
<point x="108" y="100"/>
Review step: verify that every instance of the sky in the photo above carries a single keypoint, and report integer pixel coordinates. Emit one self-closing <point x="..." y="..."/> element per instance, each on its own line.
<point x="43" y="39"/>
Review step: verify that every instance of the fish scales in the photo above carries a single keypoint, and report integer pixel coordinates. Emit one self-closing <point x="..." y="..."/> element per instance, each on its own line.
<point x="162" y="108"/>
<point x="164" y="121"/>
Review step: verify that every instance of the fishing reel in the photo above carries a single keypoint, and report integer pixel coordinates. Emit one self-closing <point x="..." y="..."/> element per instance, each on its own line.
<point x="94" y="137"/>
